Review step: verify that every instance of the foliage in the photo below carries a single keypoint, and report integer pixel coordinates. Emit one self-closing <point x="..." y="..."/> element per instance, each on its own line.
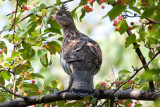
<point x="36" y="39"/>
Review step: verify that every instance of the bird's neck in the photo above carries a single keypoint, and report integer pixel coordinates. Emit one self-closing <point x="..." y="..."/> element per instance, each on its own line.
<point x="69" y="28"/>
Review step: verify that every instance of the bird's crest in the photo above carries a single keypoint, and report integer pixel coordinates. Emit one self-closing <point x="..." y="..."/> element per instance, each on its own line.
<point x="64" y="7"/>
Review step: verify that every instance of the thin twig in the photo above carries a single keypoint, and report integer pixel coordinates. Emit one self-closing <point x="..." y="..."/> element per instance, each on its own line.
<point x="152" y="21"/>
<point x="14" y="31"/>
<point x="7" y="90"/>
<point x="25" y="17"/>
<point x="7" y="71"/>
<point x="151" y="49"/>
<point x="148" y="62"/>
<point x="119" y="88"/>
<point x="30" y="15"/>
<point x="126" y="15"/>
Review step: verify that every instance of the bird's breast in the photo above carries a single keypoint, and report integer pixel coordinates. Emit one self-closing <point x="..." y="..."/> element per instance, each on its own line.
<point x="65" y="65"/>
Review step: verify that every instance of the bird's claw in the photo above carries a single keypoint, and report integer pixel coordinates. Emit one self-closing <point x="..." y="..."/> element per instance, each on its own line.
<point x="65" y="90"/>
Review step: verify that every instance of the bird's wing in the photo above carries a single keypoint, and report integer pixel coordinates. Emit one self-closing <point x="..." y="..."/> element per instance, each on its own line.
<point x="70" y="51"/>
<point x="83" y="49"/>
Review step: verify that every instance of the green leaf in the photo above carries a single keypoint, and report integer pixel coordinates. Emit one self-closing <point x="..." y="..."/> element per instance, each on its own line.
<point x="42" y="6"/>
<point x="135" y="9"/>
<point x="31" y="27"/>
<point x="54" y="30"/>
<point x="73" y="13"/>
<point x="44" y="60"/>
<point x="6" y="27"/>
<point x="35" y="34"/>
<point x="70" y="105"/>
<point x="83" y="14"/>
<point x="42" y="93"/>
<point x="54" y="24"/>
<point x="41" y="52"/>
<point x="3" y="46"/>
<point x="35" y="10"/>
<point x="27" y="86"/>
<point x="2" y="80"/>
<point x="134" y="27"/>
<point x="37" y="75"/>
<point x="123" y="27"/>
<point x="132" y="2"/>
<point x="50" y="35"/>
<point x="6" y="75"/>
<point x="123" y="71"/>
<point x="138" y="105"/>
<point x="61" y="103"/>
<point x="150" y="54"/>
<point x="58" y="1"/>
<point x="27" y="53"/>
<point x="60" y="39"/>
<point x="148" y="12"/>
<point x="53" y="47"/>
<point x="116" y="11"/>
<point x="47" y="87"/>
<point x="54" y="84"/>
<point x="130" y="39"/>
<point x="15" y="54"/>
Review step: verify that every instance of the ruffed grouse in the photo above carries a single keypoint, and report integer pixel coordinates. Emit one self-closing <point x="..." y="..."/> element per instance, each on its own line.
<point x="80" y="56"/>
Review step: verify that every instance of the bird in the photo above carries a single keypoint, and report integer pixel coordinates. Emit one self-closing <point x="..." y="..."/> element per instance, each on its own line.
<point x="80" y="57"/>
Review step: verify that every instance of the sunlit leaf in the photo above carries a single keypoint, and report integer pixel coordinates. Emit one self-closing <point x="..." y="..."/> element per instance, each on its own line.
<point x="123" y="71"/>
<point x="58" y="1"/>
<point x="6" y="75"/>
<point x="54" y="84"/>
<point x="123" y="27"/>
<point x="37" y="75"/>
<point x="41" y="52"/>
<point x="115" y="11"/>
<point x="53" y="47"/>
<point x="83" y="14"/>
<point x="130" y="39"/>
<point x="44" y="60"/>
<point x="2" y="80"/>
<point x="42" y="6"/>
<point x="30" y="86"/>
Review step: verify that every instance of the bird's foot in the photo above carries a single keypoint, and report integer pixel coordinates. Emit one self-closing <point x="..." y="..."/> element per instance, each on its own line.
<point x="65" y="90"/>
<point x="83" y="93"/>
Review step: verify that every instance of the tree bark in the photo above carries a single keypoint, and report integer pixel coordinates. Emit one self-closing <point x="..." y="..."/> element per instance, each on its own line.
<point x="121" y="94"/>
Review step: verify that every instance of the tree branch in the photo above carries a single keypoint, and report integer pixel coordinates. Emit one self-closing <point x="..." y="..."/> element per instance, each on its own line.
<point x="6" y="90"/>
<point x="121" y="94"/>
<point x="137" y="70"/>
<point x="143" y="61"/>
<point x="2" y="70"/>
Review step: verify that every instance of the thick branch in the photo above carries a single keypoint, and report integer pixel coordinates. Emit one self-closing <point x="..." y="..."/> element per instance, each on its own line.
<point x="142" y="59"/>
<point x="121" y="94"/>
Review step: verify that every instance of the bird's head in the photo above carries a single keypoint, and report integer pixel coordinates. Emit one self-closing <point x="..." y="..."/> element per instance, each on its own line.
<point x="64" y="18"/>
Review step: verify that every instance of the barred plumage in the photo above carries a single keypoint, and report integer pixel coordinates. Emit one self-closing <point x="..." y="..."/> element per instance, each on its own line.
<point x="80" y="56"/>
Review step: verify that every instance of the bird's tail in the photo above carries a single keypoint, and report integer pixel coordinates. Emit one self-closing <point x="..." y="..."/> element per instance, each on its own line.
<point x="83" y="83"/>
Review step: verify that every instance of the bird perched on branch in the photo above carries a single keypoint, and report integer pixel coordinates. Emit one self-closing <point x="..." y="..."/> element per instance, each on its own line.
<point x="80" y="57"/>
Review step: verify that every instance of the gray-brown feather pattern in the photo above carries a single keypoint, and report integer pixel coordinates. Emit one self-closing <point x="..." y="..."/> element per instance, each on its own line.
<point x="81" y="57"/>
